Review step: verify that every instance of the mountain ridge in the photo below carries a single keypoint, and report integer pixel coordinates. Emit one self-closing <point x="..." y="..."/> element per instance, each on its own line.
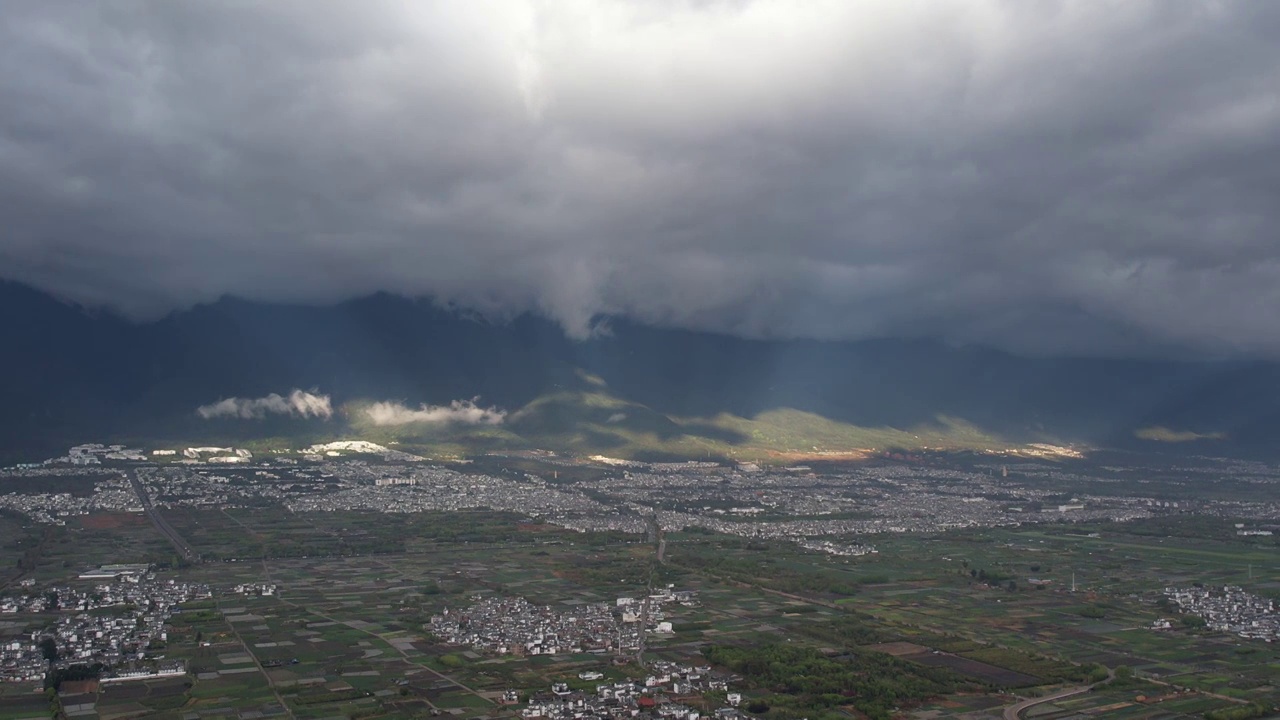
<point x="75" y="375"/>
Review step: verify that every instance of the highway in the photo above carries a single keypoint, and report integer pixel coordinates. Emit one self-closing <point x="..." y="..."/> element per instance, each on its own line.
<point x="161" y="524"/>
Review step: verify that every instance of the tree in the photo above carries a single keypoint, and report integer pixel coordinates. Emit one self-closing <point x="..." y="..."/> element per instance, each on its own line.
<point x="49" y="649"/>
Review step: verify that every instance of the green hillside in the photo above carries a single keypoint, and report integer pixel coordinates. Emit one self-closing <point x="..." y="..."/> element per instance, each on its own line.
<point x="589" y="420"/>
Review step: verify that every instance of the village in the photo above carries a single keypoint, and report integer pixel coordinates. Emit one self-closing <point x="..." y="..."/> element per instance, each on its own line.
<point x="1230" y="609"/>
<point x="119" y="624"/>
<point x="516" y="626"/>
<point x="666" y="693"/>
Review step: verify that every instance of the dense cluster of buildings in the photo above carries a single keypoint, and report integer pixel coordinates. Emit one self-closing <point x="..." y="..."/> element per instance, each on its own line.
<point x="383" y="488"/>
<point x="838" y="549"/>
<point x="111" y="492"/>
<point x="119" y="624"/>
<point x="516" y="626"/>
<point x="829" y="512"/>
<point x="260" y="589"/>
<point x="1230" y="609"/>
<point x="663" y="694"/>
<point x="90" y="454"/>
<point x="815" y="509"/>
<point x="507" y="625"/>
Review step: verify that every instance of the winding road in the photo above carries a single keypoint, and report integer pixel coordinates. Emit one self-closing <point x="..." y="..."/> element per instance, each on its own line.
<point x="1014" y="712"/>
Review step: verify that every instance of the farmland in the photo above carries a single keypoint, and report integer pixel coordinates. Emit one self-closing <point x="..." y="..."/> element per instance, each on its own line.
<point x="328" y="614"/>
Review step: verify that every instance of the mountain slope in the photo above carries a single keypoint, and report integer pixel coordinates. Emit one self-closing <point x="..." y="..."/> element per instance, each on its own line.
<point x="71" y="375"/>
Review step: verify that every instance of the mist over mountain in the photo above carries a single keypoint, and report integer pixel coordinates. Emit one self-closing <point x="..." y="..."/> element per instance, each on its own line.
<point x="72" y="375"/>
<point x="806" y="225"/>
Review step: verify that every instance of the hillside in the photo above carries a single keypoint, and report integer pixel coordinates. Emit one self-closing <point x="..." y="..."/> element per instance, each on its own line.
<point x="72" y="375"/>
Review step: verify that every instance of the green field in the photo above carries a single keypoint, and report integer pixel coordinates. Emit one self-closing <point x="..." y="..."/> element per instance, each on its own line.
<point x="346" y="634"/>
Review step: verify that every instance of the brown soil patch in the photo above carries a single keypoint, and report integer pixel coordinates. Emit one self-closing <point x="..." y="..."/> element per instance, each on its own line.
<point x="79" y="687"/>
<point x="111" y="521"/>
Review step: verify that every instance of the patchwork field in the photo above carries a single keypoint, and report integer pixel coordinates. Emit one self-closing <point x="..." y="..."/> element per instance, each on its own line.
<point x="344" y="633"/>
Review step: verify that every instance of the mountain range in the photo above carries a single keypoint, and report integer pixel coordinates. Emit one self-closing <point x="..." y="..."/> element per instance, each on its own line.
<point x="74" y="375"/>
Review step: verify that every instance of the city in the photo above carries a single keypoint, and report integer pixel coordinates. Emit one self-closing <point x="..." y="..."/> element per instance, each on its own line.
<point x="793" y="503"/>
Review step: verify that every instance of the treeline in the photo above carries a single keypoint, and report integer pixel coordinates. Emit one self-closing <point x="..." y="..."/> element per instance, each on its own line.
<point x="1046" y="668"/>
<point x="55" y="677"/>
<point x="803" y="679"/>
<point x="991" y="577"/>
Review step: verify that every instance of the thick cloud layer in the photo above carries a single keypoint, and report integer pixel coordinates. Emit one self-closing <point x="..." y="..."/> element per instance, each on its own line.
<point x="1044" y="176"/>
<point x="464" y="412"/>
<point x="299" y="403"/>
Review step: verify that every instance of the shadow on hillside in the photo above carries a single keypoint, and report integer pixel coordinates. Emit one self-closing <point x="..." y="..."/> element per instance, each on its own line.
<point x="86" y="376"/>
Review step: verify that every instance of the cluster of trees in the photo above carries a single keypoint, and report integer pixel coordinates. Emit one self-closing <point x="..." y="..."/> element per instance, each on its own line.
<point x="990" y="577"/>
<point x="1045" y="668"/>
<point x="54" y="678"/>
<point x="803" y="679"/>
<point x="849" y="631"/>
<point x="49" y="648"/>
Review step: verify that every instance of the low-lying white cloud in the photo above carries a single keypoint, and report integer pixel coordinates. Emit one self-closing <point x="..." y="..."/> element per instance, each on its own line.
<point x="459" y="411"/>
<point x="299" y="403"/>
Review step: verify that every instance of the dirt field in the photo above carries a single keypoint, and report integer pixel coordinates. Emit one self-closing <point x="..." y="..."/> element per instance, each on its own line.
<point x="111" y="521"/>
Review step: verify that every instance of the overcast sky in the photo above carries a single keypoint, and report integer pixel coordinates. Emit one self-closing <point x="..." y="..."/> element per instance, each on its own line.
<point x="1052" y="177"/>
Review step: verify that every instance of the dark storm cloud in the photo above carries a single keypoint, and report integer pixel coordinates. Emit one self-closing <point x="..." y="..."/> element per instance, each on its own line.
<point x="1052" y="177"/>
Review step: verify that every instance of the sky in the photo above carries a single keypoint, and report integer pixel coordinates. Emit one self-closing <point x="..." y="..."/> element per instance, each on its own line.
<point x="1077" y="177"/>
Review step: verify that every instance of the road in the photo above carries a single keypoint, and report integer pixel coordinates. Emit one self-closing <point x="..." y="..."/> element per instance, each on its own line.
<point x="266" y="571"/>
<point x="1014" y="712"/>
<point x="161" y="524"/>
<point x="271" y="683"/>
